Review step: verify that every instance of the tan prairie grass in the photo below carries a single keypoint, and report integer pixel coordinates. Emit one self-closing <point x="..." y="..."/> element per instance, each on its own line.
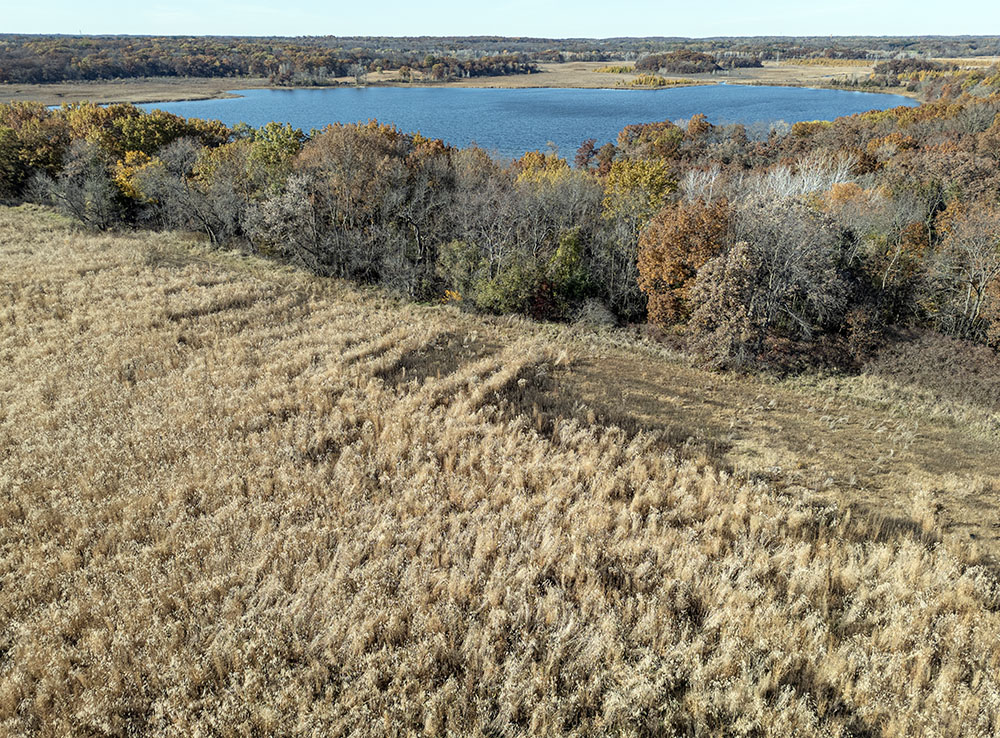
<point x="616" y="69"/>
<point x="136" y="90"/>
<point x="238" y="500"/>
<point x="655" y="81"/>
<point x="827" y="62"/>
<point x="969" y="61"/>
<point x="921" y="416"/>
<point x="575" y="74"/>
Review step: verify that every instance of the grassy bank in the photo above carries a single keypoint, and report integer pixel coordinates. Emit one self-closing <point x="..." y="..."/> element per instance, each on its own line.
<point x="243" y="500"/>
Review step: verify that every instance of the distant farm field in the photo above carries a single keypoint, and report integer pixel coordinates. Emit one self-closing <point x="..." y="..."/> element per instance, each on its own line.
<point x="241" y="500"/>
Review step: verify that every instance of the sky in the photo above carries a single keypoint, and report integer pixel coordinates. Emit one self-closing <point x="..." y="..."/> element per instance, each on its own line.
<point x="559" y="19"/>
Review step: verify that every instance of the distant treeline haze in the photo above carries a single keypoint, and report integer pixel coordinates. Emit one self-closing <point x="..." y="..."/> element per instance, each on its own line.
<point x="309" y="60"/>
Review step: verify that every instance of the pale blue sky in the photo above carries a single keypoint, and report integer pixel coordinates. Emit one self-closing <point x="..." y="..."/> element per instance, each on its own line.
<point x="563" y="18"/>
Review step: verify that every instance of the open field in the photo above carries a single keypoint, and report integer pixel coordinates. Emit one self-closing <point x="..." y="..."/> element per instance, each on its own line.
<point x="970" y="62"/>
<point x="793" y="74"/>
<point x="806" y="75"/>
<point x="570" y="74"/>
<point x="241" y="500"/>
<point x="151" y="89"/>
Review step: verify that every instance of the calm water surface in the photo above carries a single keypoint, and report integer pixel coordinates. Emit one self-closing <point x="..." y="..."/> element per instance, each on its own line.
<point x="510" y="122"/>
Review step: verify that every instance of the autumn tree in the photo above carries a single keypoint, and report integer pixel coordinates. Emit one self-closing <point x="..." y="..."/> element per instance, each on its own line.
<point x="32" y="141"/>
<point x="586" y="153"/>
<point x="698" y="126"/>
<point x="12" y="173"/>
<point x="781" y="278"/>
<point x="887" y="246"/>
<point x="191" y="188"/>
<point x="360" y="74"/>
<point x="651" y="141"/>
<point x="524" y="235"/>
<point x="678" y="242"/>
<point x="634" y="191"/>
<point x="286" y="224"/>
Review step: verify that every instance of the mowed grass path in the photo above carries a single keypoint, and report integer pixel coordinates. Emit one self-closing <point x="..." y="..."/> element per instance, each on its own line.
<point x="240" y="500"/>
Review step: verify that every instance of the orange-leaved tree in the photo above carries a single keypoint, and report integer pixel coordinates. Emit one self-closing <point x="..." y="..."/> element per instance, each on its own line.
<point x="675" y="245"/>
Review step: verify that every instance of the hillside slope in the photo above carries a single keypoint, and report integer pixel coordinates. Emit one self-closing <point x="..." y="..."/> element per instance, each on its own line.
<point x="240" y="500"/>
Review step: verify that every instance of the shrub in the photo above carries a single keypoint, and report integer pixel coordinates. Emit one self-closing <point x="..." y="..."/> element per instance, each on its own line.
<point x="780" y="279"/>
<point x="678" y="62"/>
<point x="83" y="189"/>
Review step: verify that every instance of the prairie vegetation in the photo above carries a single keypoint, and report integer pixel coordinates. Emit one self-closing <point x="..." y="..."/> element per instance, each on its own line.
<point x="823" y="61"/>
<point x="135" y="90"/>
<point x="244" y="500"/>
<point x="615" y="69"/>
<point x="655" y="80"/>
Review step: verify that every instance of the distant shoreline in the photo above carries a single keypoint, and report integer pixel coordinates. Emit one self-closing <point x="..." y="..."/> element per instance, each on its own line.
<point x="570" y="75"/>
<point x="137" y="91"/>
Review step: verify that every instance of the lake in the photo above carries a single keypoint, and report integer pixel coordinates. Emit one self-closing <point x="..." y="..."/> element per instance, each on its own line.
<point x="510" y="122"/>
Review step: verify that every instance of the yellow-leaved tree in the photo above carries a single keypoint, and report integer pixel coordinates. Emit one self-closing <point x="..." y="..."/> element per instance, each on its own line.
<point x="634" y="191"/>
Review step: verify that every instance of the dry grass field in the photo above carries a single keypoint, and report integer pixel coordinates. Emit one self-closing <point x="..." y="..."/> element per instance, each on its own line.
<point x="237" y="500"/>
<point x="141" y="90"/>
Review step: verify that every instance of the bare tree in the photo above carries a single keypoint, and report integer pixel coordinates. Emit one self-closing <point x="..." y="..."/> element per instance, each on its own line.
<point x="780" y="278"/>
<point x="285" y="224"/>
<point x="182" y="200"/>
<point x="360" y="74"/>
<point x="814" y="173"/>
<point x="83" y="188"/>
<point x="966" y="271"/>
<point x="702" y="184"/>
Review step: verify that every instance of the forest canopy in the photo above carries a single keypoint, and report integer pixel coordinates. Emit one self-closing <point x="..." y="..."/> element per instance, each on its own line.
<point x="304" y="60"/>
<point x="811" y="244"/>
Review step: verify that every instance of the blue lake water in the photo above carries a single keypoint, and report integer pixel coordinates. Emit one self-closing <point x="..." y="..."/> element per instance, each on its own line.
<point x="510" y="122"/>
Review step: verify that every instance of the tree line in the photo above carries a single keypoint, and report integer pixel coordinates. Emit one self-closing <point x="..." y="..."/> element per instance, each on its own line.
<point x="305" y="60"/>
<point x="41" y="59"/>
<point x="813" y="242"/>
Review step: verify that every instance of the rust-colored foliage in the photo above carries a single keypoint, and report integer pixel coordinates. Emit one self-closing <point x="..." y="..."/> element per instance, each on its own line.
<point x="885" y="147"/>
<point x="954" y="212"/>
<point x="843" y="194"/>
<point x="675" y="245"/>
<point x="698" y="126"/>
<point x="651" y="140"/>
<point x="806" y="128"/>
